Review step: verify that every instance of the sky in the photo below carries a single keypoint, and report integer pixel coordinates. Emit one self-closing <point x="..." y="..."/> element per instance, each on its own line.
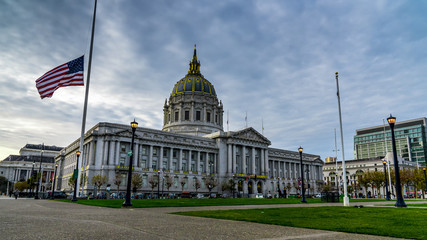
<point x="272" y="60"/>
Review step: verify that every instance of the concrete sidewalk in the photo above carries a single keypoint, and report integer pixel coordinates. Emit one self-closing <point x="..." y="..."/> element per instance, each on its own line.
<point x="44" y="219"/>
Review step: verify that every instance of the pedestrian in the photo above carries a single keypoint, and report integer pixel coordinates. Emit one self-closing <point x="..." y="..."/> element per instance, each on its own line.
<point x="16" y="194"/>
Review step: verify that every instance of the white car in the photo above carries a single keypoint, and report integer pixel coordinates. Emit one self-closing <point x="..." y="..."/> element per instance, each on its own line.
<point x="259" y="195"/>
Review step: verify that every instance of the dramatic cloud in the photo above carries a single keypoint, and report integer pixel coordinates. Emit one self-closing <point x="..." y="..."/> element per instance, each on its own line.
<point x="274" y="60"/>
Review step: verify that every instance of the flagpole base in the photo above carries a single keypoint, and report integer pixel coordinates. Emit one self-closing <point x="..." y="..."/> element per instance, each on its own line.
<point x="346" y="201"/>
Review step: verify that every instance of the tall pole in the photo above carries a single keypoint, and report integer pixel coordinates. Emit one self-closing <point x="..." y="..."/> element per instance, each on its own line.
<point x="82" y="135"/>
<point x="387" y="196"/>
<point x="388" y="162"/>
<point x="54" y="181"/>
<point x="128" y="202"/>
<point x="32" y="177"/>
<point x="400" y="202"/>
<point x="336" y="162"/>
<point x="40" y="169"/>
<point x="75" y="176"/>
<point x="302" y="176"/>
<point x="346" y="201"/>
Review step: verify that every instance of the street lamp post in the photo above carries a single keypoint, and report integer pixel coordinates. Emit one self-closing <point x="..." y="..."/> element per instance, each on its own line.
<point x="75" y="176"/>
<point x="40" y="172"/>
<point x="400" y="202"/>
<point x="128" y="202"/>
<point x="302" y="176"/>
<point x="386" y="184"/>
<point x="54" y="181"/>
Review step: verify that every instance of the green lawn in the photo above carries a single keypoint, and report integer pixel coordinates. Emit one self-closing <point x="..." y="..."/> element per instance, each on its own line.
<point x="392" y="222"/>
<point x="145" y="203"/>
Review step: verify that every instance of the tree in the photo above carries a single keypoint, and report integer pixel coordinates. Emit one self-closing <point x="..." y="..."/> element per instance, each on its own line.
<point x="21" y="186"/>
<point x="153" y="181"/>
<point x="419" y="181"/>
<point x="136" y="181"/>
<point x="365" y="181"/>
<point x="168" y="182"/>
<point x="197" y="184"/>
<point x="99" y="180"/>
<point x="183" y="182"/>
<point x="117" y="181"/>
<point x="72" y="182"/>
<point x="211" y="183"/>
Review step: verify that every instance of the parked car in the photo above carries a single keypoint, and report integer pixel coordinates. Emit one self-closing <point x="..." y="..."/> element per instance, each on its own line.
<point x="200" y="195"/>
<point x="259" y="195"/>
<point x="186" y="195"/>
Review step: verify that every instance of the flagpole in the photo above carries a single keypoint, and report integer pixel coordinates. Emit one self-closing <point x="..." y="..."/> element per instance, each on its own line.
<point x="85" y="103"/>
<point x="346" y="201"/>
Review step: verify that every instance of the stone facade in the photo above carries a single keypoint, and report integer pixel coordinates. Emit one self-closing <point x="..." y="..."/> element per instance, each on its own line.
<point x="191" y="149"/>
<point x="20" y="167"/>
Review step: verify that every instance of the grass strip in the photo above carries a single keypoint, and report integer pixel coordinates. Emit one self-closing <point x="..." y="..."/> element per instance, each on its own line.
<point x="147" y="203"/>
<point x="391" y="222"/>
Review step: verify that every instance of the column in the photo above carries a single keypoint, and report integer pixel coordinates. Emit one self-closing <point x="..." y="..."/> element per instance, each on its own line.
<point x="229" y="159"/>
<point x="234" y="159"/>
<point x="92" y="153"/>
<point x="160" y="159"/>
<point x="117" y="153"/>
<point x="198" y="163"/>
<point x="207" y="162"/>
<point x="135" y="154"/>
<point x="262" y="162"/>
<point x="171" y="160"/>
<point x="266" y="161"/>
<point x="253" y="160"/>
<point x="110" y="160"/>
<point x="105" y="154"/>
<point x="180" y="161"/>
<point x="244" y="160"/>
<point x="189" y="161"/>
<point x="150" y="159"/>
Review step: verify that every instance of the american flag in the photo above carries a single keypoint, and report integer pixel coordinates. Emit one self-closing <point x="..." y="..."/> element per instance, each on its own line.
<point x="68" y="74"/>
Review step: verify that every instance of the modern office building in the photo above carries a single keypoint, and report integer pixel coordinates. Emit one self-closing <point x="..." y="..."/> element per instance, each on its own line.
<point x="411" y="141"/>
<point x="190" y="147"/>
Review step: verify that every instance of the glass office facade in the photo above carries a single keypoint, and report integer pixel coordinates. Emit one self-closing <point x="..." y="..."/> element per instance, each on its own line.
<point x="410" y="141"/>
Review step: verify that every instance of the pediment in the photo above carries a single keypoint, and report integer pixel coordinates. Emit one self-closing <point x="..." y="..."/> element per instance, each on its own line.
<point x="251" y="135"/>
<point x="318" y="160"/>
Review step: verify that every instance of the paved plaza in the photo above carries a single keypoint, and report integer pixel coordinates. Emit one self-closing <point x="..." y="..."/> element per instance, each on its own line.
<point x="44" y="219"/>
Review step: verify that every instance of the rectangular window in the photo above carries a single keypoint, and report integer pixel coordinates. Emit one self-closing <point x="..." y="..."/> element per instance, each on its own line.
<point x="154" y="151"/>
<point x="122" y="148"/>
<point x="187" y="115"/>
<point x="144" y="151"/>
<point x="208" y="117"/>
<point x="175" y="153"/>
<point x="143" y="163"/>
<point x="198" y="115"/>
<point x="176" y="116"/>
<point x="122" y="161"/>
<point x="165" y="153"/>
<point x="165" y="165"/>
<point x="216" y="118"/>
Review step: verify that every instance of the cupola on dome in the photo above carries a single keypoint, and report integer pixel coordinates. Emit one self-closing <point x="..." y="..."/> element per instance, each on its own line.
<point x="194" y="81"/>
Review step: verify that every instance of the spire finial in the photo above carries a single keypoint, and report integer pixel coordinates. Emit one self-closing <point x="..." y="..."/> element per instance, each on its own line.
<point x="194" y="64"/>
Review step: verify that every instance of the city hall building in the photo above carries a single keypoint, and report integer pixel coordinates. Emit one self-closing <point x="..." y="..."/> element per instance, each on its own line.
<point x="191" y="147"/>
